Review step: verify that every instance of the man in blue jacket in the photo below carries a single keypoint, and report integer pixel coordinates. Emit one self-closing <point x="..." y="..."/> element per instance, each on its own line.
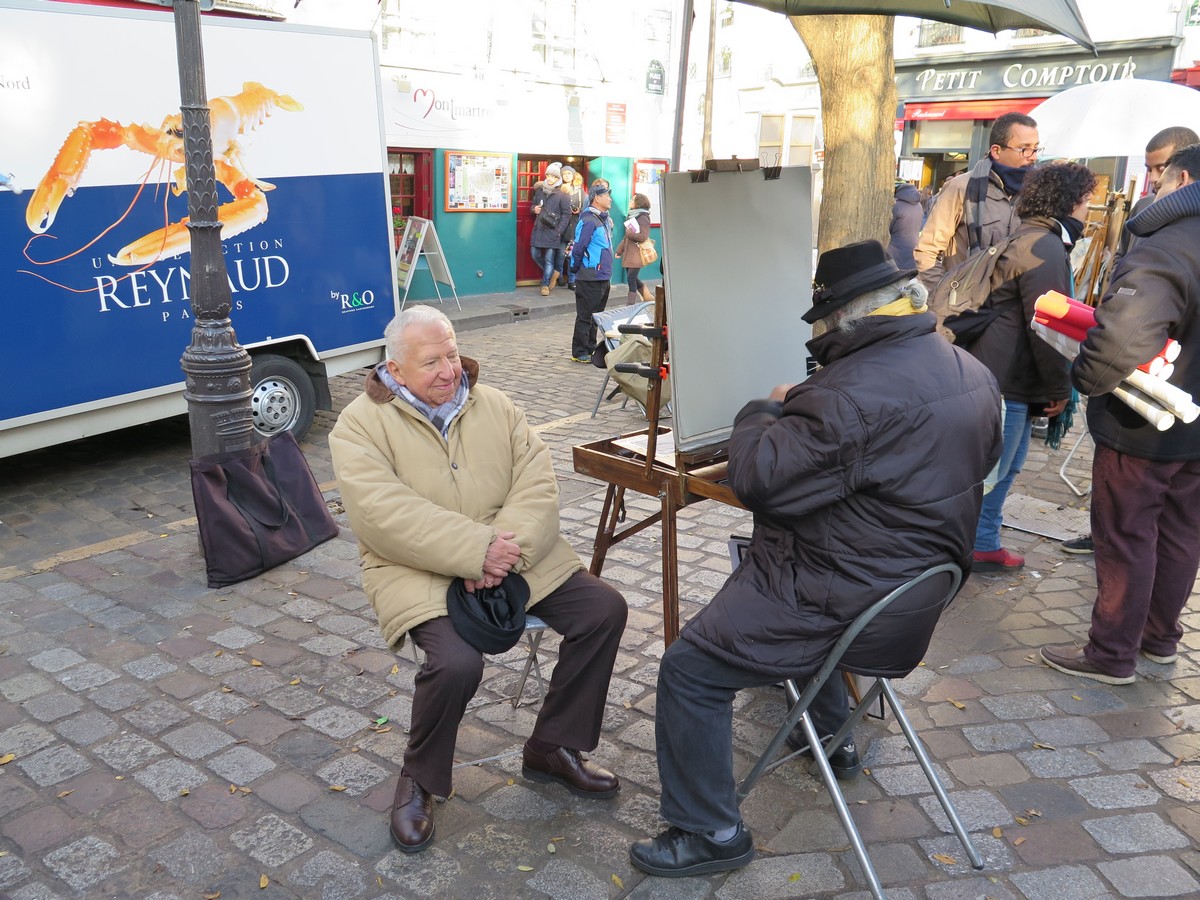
<point x="592" y="265"/>
<point x="1145" y="482"/>
<point x="847" y="507"/>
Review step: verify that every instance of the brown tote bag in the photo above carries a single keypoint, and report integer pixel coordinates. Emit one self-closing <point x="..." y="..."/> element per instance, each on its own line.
<point x="257" y="508"/>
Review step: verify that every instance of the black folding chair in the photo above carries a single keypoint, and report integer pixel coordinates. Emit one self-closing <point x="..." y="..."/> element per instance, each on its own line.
<point x="874" y="647"/>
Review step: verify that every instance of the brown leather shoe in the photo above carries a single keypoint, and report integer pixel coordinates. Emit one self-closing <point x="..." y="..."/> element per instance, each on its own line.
<point x="567" y="767"/>
<point x="1071" y="659"/>
<point x="412" y="815"/>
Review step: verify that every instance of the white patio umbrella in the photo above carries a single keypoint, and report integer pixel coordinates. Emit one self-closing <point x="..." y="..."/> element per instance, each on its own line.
<point x="1113" y="118"/>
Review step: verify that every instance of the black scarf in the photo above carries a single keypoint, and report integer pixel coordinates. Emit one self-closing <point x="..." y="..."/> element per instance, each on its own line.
<point x="1073" y="228"/>
<point x="1012" y="177"/>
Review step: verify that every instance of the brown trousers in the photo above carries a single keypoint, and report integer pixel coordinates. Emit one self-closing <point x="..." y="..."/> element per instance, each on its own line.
<point x="590" y="616"/>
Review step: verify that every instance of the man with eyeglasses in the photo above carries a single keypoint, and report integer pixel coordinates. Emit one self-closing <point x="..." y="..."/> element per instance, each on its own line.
<point x="978" y="208"/>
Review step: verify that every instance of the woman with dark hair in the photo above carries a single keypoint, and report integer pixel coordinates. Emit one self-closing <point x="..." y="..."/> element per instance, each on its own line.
<point x="1034" y="378"/>
<point x="637" y="229"/>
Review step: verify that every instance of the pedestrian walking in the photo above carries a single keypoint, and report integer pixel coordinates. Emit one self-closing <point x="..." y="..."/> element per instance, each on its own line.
<point x="592" y="266"/>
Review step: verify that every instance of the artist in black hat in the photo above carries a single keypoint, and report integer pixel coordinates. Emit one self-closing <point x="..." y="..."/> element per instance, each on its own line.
<point x="453" y="499"/>
<point x="850" y="501"/>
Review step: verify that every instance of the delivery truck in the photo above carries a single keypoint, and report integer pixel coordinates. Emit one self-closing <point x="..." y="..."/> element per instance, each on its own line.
<point x="94" y="261"/>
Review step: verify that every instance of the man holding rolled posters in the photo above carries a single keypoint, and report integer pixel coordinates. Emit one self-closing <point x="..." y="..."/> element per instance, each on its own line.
<point x="1145" y="481"/>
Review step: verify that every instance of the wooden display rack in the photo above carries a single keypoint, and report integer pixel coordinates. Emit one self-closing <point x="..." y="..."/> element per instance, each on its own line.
<point x="688" y="478"/>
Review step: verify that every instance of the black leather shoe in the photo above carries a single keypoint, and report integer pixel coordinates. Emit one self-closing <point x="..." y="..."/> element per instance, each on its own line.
<point x="581" y="776"/>
<point x="677" y="853"/>
<point x="412" y="815"/>
<point x="844" y="760"/>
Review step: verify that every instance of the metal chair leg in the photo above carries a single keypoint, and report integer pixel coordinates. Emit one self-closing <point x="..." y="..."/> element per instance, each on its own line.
<point x="534" y="640"/>
<point x="600" y="396"/>
<point x="918" y="748"/>
<point x="843" y="811"/>
<point x="1062" y="470"/>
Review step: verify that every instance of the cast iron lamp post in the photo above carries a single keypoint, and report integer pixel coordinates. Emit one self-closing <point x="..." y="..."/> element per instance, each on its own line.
<point x="216" y="367"/>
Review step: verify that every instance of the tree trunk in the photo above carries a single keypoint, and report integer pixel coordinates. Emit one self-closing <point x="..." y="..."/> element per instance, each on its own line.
<point x="856" y="72"/>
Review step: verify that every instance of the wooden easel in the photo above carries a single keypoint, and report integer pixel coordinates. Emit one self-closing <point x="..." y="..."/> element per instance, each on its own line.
<point x="695" y="476"/>
<point x="1105" y="233"/>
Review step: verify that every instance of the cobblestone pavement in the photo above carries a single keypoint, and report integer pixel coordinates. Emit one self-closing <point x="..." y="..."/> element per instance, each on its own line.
<point x="169" y="741"/>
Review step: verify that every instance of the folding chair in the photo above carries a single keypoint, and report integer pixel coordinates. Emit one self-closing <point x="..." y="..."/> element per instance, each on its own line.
<point x="534" y="627"/>
<point x="879" y="654"/>
<point x="606" y="322"/>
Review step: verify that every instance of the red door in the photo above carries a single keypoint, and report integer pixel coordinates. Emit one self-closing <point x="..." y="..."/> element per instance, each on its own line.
<point x="529" y="172"/>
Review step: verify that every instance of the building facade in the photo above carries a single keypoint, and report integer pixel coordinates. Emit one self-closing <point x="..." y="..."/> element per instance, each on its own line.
<point x="479" y="97"/>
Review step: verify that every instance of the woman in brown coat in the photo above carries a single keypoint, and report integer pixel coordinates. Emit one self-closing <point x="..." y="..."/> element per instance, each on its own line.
<point x="629" y="250"/>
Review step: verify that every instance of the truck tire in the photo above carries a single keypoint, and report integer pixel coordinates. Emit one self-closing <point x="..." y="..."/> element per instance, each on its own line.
<point x="282" y="396"/>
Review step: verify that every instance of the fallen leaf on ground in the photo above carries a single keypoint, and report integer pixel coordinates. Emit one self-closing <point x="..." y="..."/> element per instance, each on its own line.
<point x="795" y="876"/>
<point x="1038" y="746"/>
<point x="295" y="680"/>
<point x="7" y="758"/>
<point x="997" y="832"/>
<point x="524" y="868"/>
<point x="263" y="881"/>
<point x="255" y="662"/>
<point x="616" y="879"/>
<point x="943" y="858"/>
<point x="218" y="653"/>
<point x="395" y="668"/>
<point x="337" y="787"/>
<point x="958" y="705"/>
<point x="550" y="848"/>
<point x="1018" y="842"/>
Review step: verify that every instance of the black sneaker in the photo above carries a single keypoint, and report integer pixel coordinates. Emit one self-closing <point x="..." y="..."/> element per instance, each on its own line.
<point x="844" y="760"/>
<point x="677" y="853"/>
<point x="1081" y="545"/>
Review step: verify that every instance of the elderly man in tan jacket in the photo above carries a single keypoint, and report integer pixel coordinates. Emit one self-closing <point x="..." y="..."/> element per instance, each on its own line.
<point x="442" y="477"/>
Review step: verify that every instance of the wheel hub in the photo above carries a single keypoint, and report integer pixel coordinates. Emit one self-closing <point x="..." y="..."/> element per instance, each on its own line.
<point x="274" y="405"/>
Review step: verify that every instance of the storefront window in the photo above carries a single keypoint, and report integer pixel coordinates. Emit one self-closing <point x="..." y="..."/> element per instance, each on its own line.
<point x="1194" y="13"/>
<point x="786" y="140"/>
<point x="945" y="135"/>
<point x="556" y="34"/>
<point x="936" y="34"/>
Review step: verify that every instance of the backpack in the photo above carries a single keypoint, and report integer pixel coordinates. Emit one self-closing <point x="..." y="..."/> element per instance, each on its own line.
<point x="960" y="299"/>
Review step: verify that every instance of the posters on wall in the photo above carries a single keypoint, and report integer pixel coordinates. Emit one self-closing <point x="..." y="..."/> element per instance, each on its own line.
<point x="478" y="182"/>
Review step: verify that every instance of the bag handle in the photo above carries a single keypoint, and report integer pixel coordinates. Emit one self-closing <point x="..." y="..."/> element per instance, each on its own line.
<point x="258" y="505"/>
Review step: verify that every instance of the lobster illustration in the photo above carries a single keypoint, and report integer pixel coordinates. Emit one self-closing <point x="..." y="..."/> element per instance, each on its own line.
<point x="230" y="117"/>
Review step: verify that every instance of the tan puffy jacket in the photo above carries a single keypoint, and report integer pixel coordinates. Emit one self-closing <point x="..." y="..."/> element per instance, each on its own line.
<point x="426" y="509"/>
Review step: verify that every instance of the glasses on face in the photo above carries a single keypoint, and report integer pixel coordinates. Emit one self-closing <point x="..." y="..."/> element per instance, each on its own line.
<point x="1026" y="152"/>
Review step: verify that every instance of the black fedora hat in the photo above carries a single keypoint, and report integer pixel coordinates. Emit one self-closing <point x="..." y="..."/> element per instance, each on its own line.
<point x="848" y="272"/>
<point x="491" y="619"/>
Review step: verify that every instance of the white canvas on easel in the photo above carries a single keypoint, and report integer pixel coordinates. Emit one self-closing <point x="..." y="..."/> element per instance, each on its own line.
<point x="421" y="249"/>
<point x="738" y="254"/>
